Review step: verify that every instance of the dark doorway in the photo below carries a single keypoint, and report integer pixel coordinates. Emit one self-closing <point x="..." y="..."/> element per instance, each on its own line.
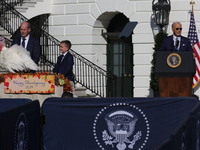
<point x="120" y="56"/>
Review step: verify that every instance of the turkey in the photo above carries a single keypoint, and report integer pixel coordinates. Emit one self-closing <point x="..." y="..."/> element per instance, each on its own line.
<point x="16" y="58"/>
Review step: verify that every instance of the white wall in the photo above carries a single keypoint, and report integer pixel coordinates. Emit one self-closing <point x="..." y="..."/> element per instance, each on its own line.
<point x="41" y="7"/>
<point x="82" y="21"/>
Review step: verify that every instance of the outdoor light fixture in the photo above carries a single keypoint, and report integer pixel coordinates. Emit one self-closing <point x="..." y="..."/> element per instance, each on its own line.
<point x="161" y="11"/>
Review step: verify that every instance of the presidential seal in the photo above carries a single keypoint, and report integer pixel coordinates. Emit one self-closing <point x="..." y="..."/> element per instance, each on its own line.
<point x="174" y="60"/>
<point x="121" y="129"/>
<point x="21" y="133"/>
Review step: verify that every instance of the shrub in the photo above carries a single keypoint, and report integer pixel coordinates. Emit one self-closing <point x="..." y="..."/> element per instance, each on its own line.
<point x="158" y="42"/>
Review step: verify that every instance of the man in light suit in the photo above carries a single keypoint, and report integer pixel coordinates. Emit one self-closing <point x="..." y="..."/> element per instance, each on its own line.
<point x="176" y="42"/>
<point x="32" y="45"/>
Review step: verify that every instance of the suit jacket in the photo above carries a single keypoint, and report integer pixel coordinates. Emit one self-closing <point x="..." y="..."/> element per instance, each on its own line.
<point x="33" y="46"/>
<point x="65" y="67"/>
<point x="184" y="45"/>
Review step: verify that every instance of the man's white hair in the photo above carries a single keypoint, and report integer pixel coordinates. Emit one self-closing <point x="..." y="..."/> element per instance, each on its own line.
<point x="175" y="23"/>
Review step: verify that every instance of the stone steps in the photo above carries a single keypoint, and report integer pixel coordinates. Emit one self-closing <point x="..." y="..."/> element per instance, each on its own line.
<point x="80" y="92"/>
<point x="26" y="4"/>
<point x="21" y="8"/>
<point x="4" y="34"/>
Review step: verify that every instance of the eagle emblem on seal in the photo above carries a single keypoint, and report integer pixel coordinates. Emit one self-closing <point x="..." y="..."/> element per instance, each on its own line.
<point x="121" y="125"/>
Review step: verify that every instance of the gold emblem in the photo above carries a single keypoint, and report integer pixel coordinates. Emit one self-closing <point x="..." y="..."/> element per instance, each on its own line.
<point x="174" y="60"/>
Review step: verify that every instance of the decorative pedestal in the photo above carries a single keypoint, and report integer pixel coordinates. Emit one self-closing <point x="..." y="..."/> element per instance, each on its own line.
<point x="40" y="97"/>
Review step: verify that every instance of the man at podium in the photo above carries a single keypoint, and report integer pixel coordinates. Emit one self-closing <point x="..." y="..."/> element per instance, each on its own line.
<point x="175" y="65"/>
<point x="176" y="42"/>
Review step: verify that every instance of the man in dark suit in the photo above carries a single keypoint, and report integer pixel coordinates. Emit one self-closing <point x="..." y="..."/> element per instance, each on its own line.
<point x="176" y="42"/>
<point x="28" y="42"/>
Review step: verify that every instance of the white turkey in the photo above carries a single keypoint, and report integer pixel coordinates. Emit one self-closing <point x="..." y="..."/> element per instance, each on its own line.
<point x="16" y="58"/>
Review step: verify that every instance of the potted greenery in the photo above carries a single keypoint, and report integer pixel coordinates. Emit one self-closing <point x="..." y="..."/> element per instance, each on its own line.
<point x="154" y="79"/>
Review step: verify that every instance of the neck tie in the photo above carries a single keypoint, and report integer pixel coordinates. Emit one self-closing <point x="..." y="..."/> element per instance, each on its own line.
<point x="176" y="44"/>
<point x="62" y="57"/>
<point x="23" y="42"/>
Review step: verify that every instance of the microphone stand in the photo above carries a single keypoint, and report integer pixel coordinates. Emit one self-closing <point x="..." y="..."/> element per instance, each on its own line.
<point x="172" y="46"/>
<point x="177" y="43"/>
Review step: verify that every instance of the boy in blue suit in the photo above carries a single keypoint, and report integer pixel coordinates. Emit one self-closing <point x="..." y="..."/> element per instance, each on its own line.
<point x="65" y="61"/>
<point x="176" y="42"/>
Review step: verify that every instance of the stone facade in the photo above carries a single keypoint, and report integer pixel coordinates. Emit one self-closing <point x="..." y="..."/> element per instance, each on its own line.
<point x="82" y="22"/>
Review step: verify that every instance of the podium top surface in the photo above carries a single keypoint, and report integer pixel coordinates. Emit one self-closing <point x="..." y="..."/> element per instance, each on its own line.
<point x="171" y="63"/>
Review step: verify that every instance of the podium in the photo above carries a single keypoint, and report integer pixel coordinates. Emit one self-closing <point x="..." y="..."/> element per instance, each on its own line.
<point x="175" y="71"/>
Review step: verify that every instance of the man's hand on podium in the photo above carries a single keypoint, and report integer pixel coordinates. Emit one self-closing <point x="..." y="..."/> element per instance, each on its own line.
<point x="194" y="55"/>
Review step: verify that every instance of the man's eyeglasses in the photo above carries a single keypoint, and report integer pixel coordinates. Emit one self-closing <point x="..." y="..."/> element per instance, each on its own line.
<point x="178" y="28"/>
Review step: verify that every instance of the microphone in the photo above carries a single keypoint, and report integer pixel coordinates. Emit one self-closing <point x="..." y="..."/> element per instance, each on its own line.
<point x="172" y="45"/>
<point x="177" y="43"/>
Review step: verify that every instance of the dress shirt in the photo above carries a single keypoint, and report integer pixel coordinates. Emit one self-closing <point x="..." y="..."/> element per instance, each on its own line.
<point x="26" y="41"/>
<point x="64" y="56"/>
<point x="179" y="39"/>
